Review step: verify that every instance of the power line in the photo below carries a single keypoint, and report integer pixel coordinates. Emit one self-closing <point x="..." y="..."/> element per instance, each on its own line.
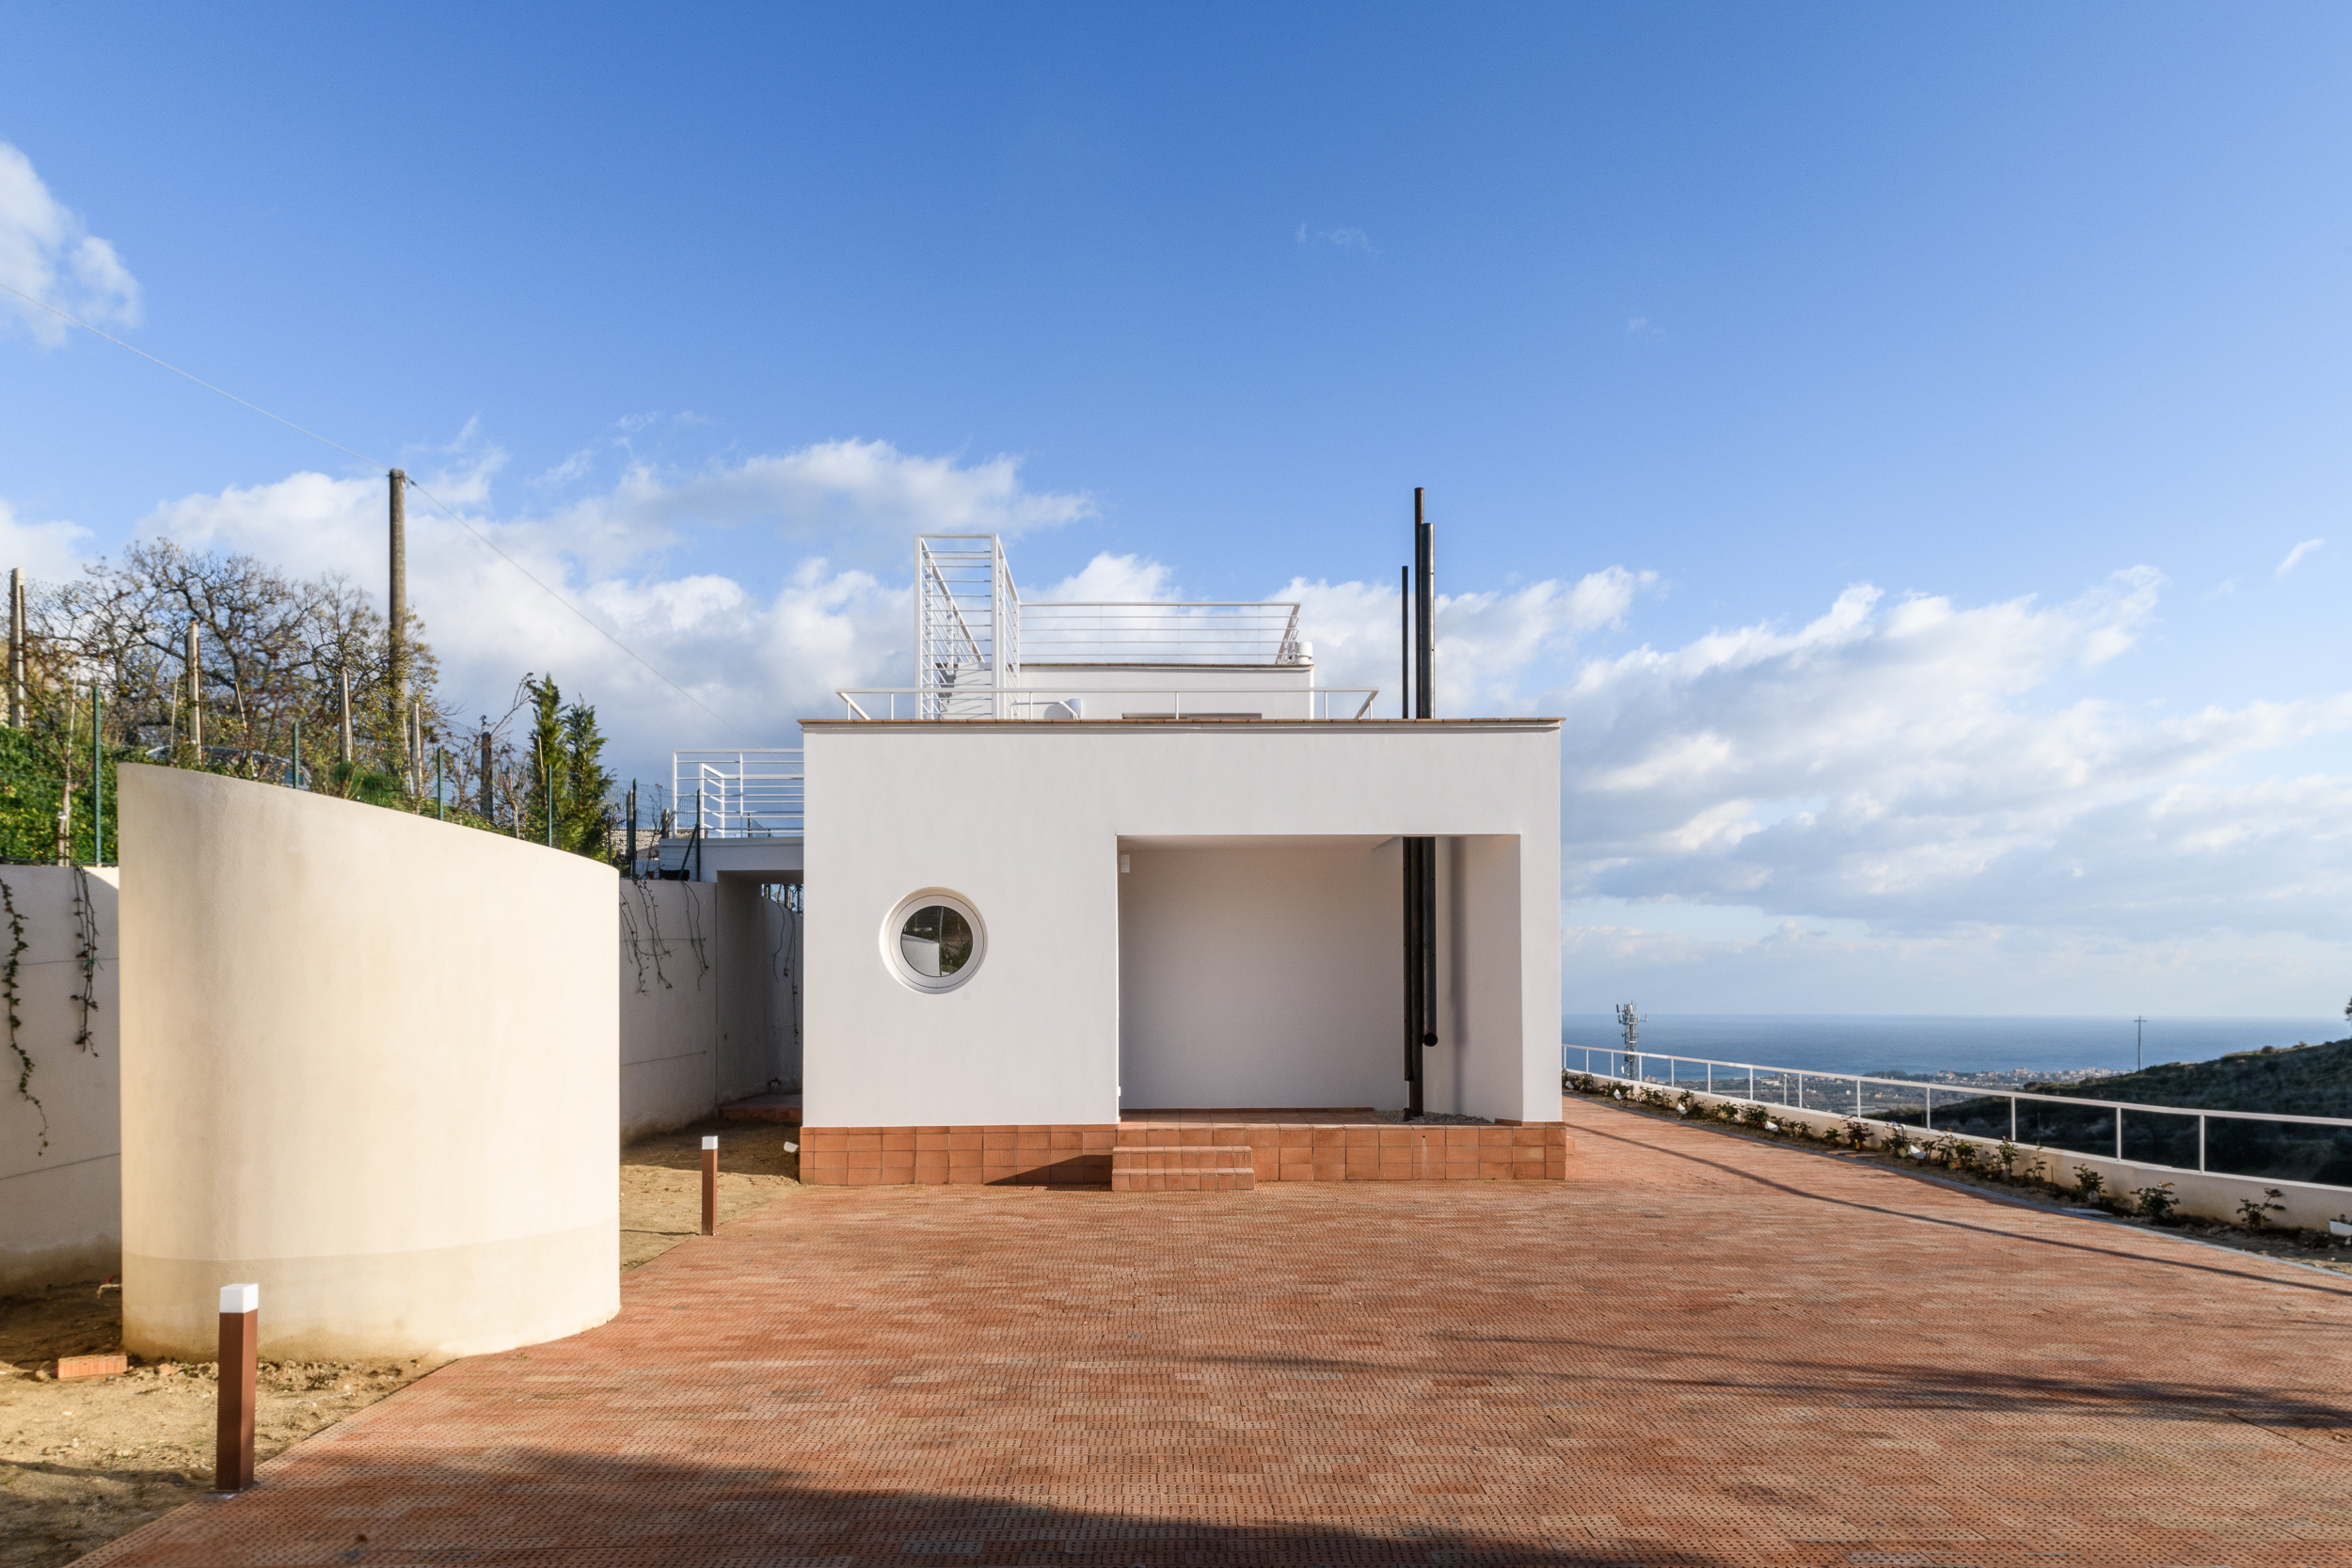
<point x="378" y="463"/>
<point x="177" y="371"/>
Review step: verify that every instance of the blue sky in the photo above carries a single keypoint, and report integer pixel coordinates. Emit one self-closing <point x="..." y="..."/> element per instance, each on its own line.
<point x="1881" y="431"/>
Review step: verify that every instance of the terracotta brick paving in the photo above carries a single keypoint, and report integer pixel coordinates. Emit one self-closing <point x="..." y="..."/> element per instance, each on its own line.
<point x="1694" y="1351"/>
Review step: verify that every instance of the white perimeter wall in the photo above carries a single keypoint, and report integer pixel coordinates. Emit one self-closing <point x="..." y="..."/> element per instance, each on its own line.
<point x="61" y="1208"/>
<point x="1025" y="822"/>
<point x="707" y="999"/>
<point x="370" y="1061"/>
<point x="668" y="1005"/>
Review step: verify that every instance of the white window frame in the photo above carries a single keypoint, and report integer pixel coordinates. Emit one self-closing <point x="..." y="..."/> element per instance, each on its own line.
<point x="894" y="957"/>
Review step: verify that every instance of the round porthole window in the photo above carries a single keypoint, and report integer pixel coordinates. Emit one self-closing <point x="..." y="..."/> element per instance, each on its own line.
<point x="934" y="941"/>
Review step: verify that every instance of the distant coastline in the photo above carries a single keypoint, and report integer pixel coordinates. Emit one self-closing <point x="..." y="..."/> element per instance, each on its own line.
<point x="2000" y="1050"/>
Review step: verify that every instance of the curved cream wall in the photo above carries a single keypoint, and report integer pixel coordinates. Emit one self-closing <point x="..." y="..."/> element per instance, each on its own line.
<point x="369" y="1060"/>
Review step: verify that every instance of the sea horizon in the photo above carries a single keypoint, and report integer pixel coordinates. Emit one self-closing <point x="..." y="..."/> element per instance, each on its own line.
<point x="1942" y="1042"/>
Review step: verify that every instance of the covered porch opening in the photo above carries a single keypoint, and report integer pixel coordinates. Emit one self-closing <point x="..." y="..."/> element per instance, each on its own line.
<point x="1262" y="978"/>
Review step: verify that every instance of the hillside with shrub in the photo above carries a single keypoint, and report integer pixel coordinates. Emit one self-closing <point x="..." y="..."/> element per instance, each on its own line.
<point x="2298" y="1080"/>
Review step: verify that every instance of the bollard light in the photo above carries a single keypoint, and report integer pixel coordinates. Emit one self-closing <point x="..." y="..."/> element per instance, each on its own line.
<point x="240" y="1351"/>
<point x="710" y="1184"/>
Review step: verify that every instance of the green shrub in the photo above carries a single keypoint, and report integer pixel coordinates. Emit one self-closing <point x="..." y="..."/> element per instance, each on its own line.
<point x="2157" y="1202"/>
<point x="2257" y="1214"/>
<point x="2088" y="1183"/>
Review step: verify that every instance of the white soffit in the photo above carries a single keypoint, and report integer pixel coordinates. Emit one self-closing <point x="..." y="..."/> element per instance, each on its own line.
<point x="1252" y="841"/>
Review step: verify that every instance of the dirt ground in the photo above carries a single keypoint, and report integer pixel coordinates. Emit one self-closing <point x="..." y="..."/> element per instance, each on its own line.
<point x="85" y="1461"/>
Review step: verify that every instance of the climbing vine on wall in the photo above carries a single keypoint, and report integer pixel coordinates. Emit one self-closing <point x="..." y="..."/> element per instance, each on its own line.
<point x="14" y="998"/>
<point x="640" y="948"/>
<point x="85" y="956"/>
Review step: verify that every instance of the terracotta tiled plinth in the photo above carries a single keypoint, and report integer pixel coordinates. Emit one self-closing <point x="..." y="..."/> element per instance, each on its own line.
<point x="1086" y="1154"/>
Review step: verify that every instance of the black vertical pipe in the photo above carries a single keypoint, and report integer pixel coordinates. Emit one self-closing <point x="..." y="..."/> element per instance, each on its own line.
<point x="1411" y="882"/>
<point x="1412" y="975"/>
<point x="1422" y="984"/>
<point x="1425" y="594"/>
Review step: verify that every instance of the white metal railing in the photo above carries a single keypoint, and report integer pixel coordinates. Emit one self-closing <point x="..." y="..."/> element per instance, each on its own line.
<point x="1071" y="702"/>
<point x="967" y="624"/>
<point x="2116" y="1125"/>
<point x="1204" y="632"/>
<point x="739" y="794"/>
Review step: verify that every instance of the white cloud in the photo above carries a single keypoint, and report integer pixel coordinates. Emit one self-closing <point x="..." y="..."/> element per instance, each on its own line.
<point x="1486" y="641"/>
<point x="1905" y="765"/>
<point x="1108" y="579"/>
<point x="2296" y="556"/>
<point x="46" y="252"/>
<point x="569" y="470"/>
<point x="761" y="654"/>
<point x="1344" y="238"/>
<point x="54" y="550"/>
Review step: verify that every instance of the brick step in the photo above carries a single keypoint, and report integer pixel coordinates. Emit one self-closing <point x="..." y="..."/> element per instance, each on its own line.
<point x="1182" y="1167"/>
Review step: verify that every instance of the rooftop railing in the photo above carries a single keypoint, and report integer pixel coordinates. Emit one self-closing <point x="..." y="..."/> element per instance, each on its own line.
<point x="1115" y="632"/>
<point x="739" y="794"/>
<point x="2314" y="1150"/>
<point x="1223" y="701"/>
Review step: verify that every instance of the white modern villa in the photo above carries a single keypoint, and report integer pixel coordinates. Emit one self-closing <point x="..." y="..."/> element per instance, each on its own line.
<point x="1119" y="892"/>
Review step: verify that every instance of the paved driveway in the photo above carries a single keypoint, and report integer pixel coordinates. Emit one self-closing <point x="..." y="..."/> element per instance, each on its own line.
<point x="1697" y="1350"/>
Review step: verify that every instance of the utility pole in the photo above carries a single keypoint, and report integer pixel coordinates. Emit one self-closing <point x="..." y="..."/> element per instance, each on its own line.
<point x="346" y="754"/>
<point x="487" y="814"/>
<point x="65" y="796"/>
<point x="2139" y="1041"/>
<point x="97" y="775"/>
<point x="196" y="690"/>
<point x="399" y="609"/>
<point x="16" y="647"/>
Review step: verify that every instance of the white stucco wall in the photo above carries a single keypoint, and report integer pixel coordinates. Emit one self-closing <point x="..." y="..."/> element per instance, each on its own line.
<point x="61" y="1207"/>
<point x="1025" y="821"/>
<point x="370" y="1061"/>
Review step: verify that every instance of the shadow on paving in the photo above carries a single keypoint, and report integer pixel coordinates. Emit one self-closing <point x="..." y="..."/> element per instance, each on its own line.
<point x="2188" y="1263"/>
<point x="1913" y="1387"/>
<point x="544" y="1507"/>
